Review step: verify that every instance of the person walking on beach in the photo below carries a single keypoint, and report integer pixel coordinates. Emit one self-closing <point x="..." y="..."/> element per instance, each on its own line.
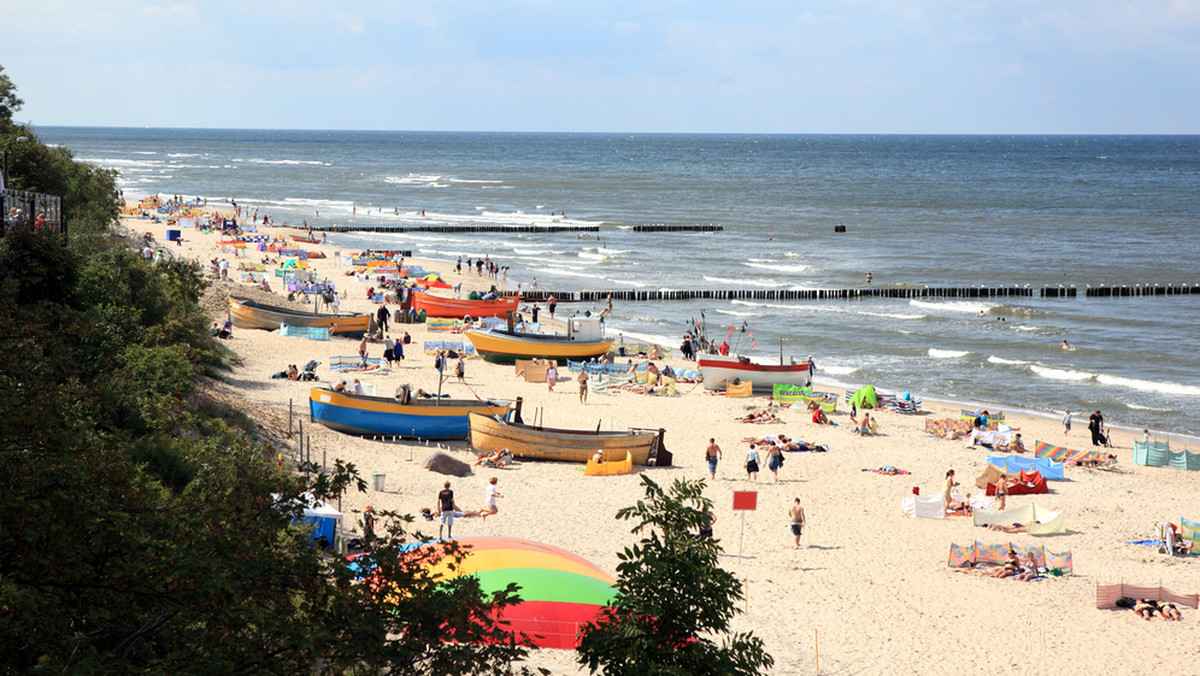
<point x="796" y="514"/>
<point x="551" y="375"/>
<point x="583" y="386"/>
<point x="752" y="463"/>
<point x="711" y="455"/>
<point x="1067" y="423"/>
<point x="552" y="303"/>
<point x="812" y="368"/>
<point x="446" y="509"/>
<point x="460" y="370"/>
<point x="774" y="460"/>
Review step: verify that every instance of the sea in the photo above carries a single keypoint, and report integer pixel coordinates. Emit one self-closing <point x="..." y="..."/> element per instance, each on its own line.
<point x="925" y="210"/>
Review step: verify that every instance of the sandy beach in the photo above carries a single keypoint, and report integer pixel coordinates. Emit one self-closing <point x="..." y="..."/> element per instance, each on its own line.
<point x="869" y="586"/>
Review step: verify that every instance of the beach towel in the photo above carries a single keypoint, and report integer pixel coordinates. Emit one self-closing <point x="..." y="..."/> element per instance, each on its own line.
<point x="889" y="471"/>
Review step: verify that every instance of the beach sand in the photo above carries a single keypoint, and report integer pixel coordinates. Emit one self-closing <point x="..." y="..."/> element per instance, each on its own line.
<point x="869" y="586"/>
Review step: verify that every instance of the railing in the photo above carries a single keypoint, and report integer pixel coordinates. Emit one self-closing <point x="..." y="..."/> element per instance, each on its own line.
<point x="21" y="207"/>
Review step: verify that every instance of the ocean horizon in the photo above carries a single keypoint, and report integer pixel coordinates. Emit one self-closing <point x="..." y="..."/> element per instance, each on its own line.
<point x="918" y="210"/>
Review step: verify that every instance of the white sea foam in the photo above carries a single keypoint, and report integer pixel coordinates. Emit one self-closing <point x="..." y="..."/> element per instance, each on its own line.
<point x="180" y="154"/>
<point x="953" y="305"/>
<point x="891" y="315"/>
<point x="263" y="160"/>
<point x="1061" y="374"/>
<point x="145" y="152"/>
<point x="773" y="306"/>
<point x="1148" y="385"/>
<point x="735" y="313"/>
<point x="946" y="354"/>
<point x="476" y="180"/>
<point x="1138" y="407"/>
<point x="1001" y="360"/>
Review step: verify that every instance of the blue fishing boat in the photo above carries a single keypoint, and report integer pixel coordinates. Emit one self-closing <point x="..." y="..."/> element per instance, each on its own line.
<point x="410" y="417"/>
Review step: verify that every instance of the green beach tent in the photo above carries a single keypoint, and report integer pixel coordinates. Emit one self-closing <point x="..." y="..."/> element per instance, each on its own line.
<point x="865" y="398"/>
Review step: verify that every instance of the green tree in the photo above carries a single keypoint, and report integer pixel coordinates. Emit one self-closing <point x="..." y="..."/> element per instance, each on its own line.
<point x="673" y="599"/>
<point x="9" y="103"/>
<point x="147" y="530"/>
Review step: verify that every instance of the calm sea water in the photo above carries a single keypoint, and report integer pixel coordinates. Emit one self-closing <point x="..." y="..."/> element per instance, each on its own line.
<point x="919" y="210"/>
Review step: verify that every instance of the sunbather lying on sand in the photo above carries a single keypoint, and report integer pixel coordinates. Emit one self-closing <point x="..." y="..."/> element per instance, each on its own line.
<point x="758" y="417"/>
<point x="1015" y="528"/>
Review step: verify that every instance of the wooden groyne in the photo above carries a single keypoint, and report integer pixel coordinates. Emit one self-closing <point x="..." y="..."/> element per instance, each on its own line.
<point x="1141" y="290"/>
<point x="658" y="227"/>
<point x="974" y="292"/>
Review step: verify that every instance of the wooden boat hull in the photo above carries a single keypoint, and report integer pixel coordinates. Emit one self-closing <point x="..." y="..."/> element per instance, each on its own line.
<point x="437" y="306"/>
<point x="248" y="314"/>
<point x="609" y="468"/>
<point x="502" y="347"/>
<point x="526" y="441"/>
<point x="306" y="240"/>
<point x="716" y="370"/>
<point x="380" y="416"/>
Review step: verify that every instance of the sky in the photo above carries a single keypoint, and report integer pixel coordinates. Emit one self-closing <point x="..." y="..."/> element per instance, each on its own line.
<point x="750" y="66"/>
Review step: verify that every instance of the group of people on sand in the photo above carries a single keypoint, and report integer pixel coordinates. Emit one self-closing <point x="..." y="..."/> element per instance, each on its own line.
<point x="447" y="509"/>
<point x="1013" y="567"/>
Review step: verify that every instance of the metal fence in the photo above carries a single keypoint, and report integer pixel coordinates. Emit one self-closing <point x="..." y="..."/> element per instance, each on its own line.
<point x="21" y="207"/>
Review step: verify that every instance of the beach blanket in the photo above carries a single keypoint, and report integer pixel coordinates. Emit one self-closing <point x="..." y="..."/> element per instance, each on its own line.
<point x="1107" y="595"/>
<point x="889" y="470"/>
<point x="962" y="556"/>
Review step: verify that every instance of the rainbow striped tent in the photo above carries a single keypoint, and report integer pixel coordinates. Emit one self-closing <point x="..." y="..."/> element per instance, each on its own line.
<point x="560" y="591"/>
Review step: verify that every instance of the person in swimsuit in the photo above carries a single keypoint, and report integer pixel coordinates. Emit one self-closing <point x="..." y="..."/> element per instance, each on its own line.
<point x="1002" y="491"/>
<point x="950" y="483"/>
<point x="711" y="455"/>
<point x="796" y="514"/>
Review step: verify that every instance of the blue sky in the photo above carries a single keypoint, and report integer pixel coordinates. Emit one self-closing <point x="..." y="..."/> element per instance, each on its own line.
<point x="868" y="66"/>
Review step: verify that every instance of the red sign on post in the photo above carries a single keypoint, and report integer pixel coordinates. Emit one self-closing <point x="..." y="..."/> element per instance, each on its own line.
<point x="745" y="501"/>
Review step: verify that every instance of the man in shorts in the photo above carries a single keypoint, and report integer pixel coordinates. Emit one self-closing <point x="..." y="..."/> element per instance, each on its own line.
<point x="446" y="510"/>
<point x="796" y="514"/>
<point x="711" y="455"/>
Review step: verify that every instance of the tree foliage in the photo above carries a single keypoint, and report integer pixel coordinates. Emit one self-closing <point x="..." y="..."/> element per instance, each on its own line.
<point x="147" y="529"/>
<point x="673" y="602"/>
